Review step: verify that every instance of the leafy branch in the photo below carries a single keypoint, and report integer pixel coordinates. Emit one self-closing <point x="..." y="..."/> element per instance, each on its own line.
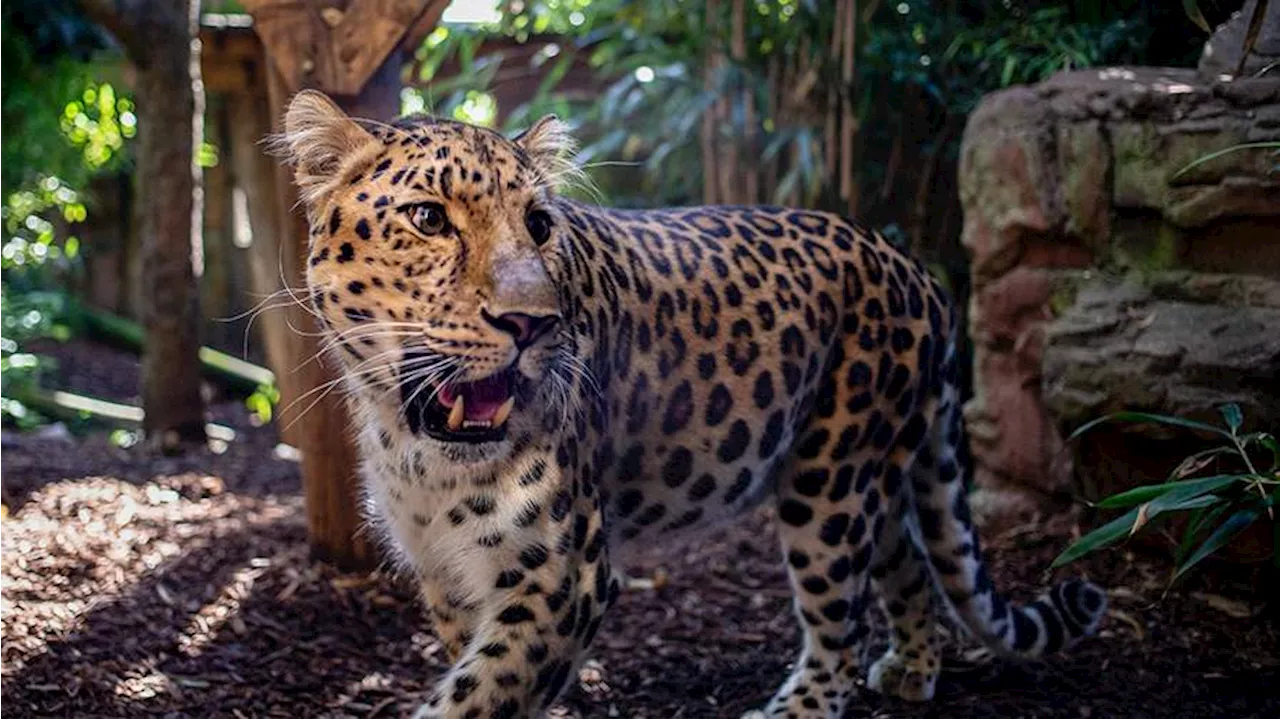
<point x="1243" y="496"/>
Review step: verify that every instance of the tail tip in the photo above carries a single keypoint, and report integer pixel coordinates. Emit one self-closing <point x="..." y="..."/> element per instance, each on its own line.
<point x="1087" y="604"/>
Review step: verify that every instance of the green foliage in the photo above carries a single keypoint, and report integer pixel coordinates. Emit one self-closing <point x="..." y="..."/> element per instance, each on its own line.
<point x="1218" y="507"/>
<point x="262" y="403"/>
<point x="25" y="317"/>
<point x="641" y="128"/>
<point x="64" y="123"/>
<point x="47" y="46"/>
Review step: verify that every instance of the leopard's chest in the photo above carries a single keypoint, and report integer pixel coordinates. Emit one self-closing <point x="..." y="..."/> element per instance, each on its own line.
<point x="438" y="513"/>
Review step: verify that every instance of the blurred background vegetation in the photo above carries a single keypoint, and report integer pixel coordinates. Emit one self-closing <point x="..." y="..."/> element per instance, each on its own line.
<point x="852" y="106"/>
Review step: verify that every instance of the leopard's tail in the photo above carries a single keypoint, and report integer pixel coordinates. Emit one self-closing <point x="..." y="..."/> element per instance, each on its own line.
<point x="1066" y="612"/>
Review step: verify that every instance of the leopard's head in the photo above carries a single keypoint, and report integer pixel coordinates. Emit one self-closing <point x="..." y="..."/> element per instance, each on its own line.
<point x="431" y="258"/>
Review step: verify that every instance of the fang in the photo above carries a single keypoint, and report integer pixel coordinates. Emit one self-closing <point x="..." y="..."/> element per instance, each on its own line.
<point x="500" y="417"/>
<point x="457" y="414"/>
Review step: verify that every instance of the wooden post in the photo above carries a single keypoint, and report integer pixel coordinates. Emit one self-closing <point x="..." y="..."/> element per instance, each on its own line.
<point x="352" y="51"/>
<point x="215" y="284"/>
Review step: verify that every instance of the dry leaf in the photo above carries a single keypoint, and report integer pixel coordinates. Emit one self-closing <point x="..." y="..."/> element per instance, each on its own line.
<point x="1140" y="520"/>
<point x="1230" y="607"/>
<point x="1128" y="619"/>
<point x="1191" y="465"/>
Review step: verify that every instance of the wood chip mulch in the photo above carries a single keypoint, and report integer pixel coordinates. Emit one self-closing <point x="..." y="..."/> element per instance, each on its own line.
<point x="137" y="585"/>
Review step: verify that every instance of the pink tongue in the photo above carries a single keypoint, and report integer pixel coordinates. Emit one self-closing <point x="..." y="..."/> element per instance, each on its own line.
<point x="483" y="398"/>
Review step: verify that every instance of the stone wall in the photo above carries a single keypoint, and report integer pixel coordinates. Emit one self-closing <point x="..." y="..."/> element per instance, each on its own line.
<point x="1106" y="276"/>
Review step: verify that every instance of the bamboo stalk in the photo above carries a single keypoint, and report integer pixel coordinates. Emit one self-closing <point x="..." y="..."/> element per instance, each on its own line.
<point x="848" y="177"/>
<point x="70" y="407"/>
<point x="926" y="182"/>
<point x="750" y="190"/>
<point x="831" y="129"/>
<point x="771" y="92"/>
<point x="708" y="130"/>
<point x="895" y="153"/>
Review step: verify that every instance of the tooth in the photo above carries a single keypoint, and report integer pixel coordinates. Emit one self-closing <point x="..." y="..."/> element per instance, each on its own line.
<point x="456" y="415"/>
<point x="500" y="417"/>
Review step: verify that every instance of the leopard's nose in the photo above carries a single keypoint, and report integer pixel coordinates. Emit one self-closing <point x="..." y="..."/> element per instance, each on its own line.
<point x="524" y="328"/>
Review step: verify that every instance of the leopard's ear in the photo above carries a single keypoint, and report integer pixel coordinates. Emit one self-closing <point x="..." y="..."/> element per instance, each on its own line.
<point x="318" y="140"/>
<point x="551" y="148"/>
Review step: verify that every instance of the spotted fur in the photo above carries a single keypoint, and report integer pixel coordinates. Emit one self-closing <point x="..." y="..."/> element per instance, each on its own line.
<point x="704" y="361"/>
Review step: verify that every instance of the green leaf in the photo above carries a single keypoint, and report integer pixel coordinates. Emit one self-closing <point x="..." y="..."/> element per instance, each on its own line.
<point x="1006" y="75"/>
<point x="1199" y="519"/>
<point x="1227" y="531"/>
<point x="1103" y="536"/>
<point x="1148" y="417"/>
<point x="1183" y="489"/>
<point x="1269" y="441"/>
<point x="1231" y="413"/>
<point x="1191" y="494"/>
<point x="557" y="73"/>
<point x="1192" y="8"/>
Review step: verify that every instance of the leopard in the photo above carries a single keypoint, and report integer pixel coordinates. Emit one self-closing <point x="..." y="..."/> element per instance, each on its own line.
<point x="538" y="385"/>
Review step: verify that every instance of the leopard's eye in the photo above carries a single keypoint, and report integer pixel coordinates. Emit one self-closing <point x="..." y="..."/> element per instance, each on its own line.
<point x="539" y="224"/>
<point x="429" y="218"/>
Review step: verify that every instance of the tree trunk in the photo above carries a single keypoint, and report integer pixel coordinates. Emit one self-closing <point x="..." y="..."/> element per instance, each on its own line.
<point x="160" y="38"/>
<point x="170" y="109"/>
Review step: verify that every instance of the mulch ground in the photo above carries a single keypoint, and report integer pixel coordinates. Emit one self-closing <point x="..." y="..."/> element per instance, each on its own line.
<point x="135" y="584"/>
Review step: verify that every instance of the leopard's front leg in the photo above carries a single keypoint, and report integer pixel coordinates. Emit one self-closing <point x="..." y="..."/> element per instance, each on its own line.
<point x="535" y="602"/>
<point x="452" y="616"/>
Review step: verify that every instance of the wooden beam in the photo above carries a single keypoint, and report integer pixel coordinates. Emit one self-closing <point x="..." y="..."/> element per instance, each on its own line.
<point x="231" y="55"/>
<point x="335" y="46"/>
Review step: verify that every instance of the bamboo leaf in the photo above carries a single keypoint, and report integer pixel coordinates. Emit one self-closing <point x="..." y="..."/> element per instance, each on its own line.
<point x="1199" y="519"/>
<point x="1103" y="536"/>
<point x="1191" y="494"/>
<point x="557" y="73"/>
<point x="1269" y="441"/>
<point x="1006" y="75"/>
<point x="1234" y="418"/>
<point x="1227" y="531"/>
<point x="1184" y="489"/>
<point x="1192" y="8"/>
<point x="1148" y="417"/>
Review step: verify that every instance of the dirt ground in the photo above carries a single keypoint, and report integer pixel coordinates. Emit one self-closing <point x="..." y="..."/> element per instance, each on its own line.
<point x="142" y="585"/>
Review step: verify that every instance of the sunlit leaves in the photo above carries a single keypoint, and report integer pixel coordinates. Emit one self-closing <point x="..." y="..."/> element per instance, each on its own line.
<point x="23" y="318"/>
<point x="98" y="123"/>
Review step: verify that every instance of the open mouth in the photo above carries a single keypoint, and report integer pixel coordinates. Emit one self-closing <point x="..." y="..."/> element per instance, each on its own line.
<point x="471" y="412"/>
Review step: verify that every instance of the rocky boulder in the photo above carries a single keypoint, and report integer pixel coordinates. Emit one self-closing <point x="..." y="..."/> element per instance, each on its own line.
<point x="1115" y="267"/>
